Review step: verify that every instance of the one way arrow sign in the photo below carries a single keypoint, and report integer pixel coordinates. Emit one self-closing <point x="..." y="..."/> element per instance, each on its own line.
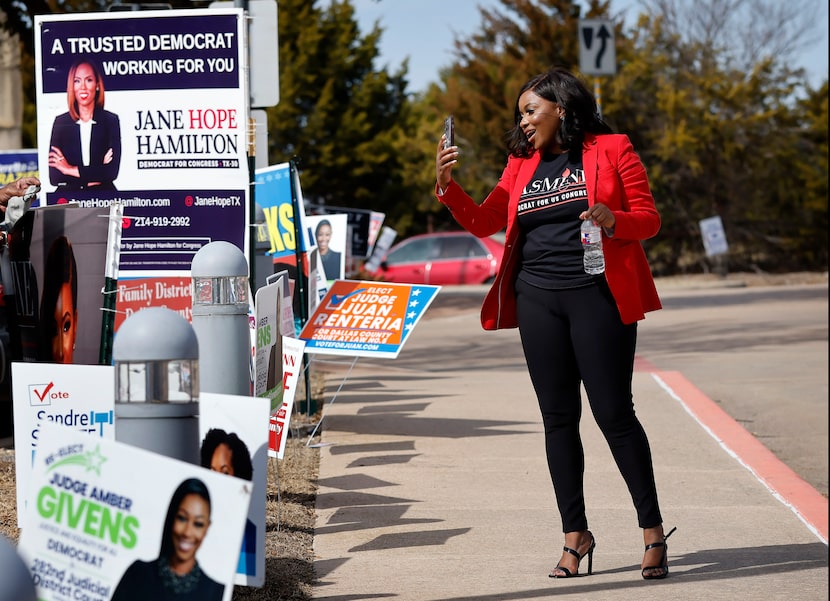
<point x="597" y="55"/>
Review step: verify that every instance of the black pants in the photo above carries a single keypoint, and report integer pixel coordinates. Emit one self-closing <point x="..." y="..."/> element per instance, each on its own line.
<point x="572" y="336"/>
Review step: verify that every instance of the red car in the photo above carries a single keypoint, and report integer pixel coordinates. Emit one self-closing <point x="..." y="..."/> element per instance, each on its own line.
<point x="442" y="259"/>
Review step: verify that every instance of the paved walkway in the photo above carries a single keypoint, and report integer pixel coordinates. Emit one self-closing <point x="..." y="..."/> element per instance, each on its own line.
<point x="433" y="487"/>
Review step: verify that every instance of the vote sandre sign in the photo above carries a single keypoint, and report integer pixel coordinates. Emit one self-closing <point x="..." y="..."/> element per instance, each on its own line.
<point x="76" y="396"/>
<point x="107" y="520"/>
<point x="366" y="319"/>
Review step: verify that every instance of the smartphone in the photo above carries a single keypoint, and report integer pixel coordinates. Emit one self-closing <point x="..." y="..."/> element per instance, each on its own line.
<point x="449" y="132"/>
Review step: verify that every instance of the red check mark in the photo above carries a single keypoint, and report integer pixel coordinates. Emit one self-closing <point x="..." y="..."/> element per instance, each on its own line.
<point x="45" y="391"/>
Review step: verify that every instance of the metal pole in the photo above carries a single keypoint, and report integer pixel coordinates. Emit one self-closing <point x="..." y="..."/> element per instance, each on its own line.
<point x="252" y="228"/>
<point x="298" y="254"/>
<point x="598" y="96"/>
<point x="110" y="283"/>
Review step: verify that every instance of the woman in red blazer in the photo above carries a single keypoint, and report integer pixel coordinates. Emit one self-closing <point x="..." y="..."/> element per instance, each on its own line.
<point x="566" y="166"/>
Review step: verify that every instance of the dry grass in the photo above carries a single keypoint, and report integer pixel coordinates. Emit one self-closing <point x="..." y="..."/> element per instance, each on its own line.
<point x="289" y="539"/>
<point x="291" y="490"/>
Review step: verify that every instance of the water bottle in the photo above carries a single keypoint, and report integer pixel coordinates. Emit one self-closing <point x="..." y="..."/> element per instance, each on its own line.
<point x="592" y="259"/>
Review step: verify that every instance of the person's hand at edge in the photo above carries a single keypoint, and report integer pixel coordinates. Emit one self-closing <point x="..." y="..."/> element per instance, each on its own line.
<point x="16" y="188"/>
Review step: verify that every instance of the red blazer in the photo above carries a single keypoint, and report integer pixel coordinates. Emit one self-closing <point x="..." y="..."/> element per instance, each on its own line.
<point x="615" y="177"/>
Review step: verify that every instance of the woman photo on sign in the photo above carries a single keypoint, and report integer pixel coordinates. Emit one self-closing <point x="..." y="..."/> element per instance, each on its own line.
<point x="58" y="325"/>
<point x="85" y="146"/>
<point x="176" y="573"/>
<point x="226" y="453"/>
<point x="330" y="258"/>
<point x="577" y="321"/>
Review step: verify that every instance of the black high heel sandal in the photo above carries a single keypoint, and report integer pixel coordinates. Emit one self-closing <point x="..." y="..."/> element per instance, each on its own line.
<point x="574" y="552"/>
<point x="664" y="562"/>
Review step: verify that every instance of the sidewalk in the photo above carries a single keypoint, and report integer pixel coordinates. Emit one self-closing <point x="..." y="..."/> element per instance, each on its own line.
<point x="433" y="487"/>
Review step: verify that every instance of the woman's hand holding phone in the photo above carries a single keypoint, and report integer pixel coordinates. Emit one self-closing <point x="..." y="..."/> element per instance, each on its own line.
<point x="447" y="155"/>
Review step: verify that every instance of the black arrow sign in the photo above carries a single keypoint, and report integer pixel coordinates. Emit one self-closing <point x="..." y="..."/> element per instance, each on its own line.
<point x="603" y="36"/>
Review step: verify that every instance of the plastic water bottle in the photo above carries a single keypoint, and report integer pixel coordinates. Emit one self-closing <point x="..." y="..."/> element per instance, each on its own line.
<point x="592" y="259"/>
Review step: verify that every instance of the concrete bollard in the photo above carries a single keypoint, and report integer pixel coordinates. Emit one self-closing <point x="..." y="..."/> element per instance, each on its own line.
<point x="156" y="357"/>
<point x="16" y="583"/>
<point x="220" y="318"/>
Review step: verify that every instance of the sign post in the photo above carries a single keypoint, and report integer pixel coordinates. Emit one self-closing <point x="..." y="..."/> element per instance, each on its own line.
<point x="597" y="53"/>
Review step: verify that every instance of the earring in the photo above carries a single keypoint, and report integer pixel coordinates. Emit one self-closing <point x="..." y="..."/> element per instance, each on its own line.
<point x="561" y="117"/>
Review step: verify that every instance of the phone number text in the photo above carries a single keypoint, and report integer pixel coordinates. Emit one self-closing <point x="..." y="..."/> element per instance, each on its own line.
<point x="156" y="221"/>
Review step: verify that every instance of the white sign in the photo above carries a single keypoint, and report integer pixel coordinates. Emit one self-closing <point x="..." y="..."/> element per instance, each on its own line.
<point x="286" y="318"/>
<point x="597" y="55"/>
<point x="292" y="357"/>
<point x="105" y="519"/>
<point x="381" y="247"/>
<point x="329" y="232"/>
<point x="79" y="396"/>
<point x="714" y="237"/>
<point x="234" y="440"/>
<point x="267" y="364"/>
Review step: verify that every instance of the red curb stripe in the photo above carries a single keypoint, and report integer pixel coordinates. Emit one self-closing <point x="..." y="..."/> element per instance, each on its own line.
<point x="787" y="486"/>
<point x="642" y="364"/>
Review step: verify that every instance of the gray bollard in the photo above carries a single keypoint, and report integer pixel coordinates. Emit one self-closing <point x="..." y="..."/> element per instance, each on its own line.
<point x="156" y="357"/>
<point x="16" y="583"/>
<point x="220" y="318"/>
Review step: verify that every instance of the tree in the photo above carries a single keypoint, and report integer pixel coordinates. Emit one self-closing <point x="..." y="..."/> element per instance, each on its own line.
<point x="719" y="136"/>
<point x="718" y="126"/>
<point x="341" y="117"/>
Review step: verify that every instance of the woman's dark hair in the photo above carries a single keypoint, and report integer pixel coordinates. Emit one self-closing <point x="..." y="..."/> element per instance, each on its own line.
<point x="60" y="268"/>
<point x="191" y="486"/>
<point x="581" y="115"/>
<point x="240" y="457"/>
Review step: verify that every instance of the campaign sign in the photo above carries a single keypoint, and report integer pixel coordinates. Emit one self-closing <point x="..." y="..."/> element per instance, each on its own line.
<point x="58" y="259"/>
<point x="363" y="226"/>
<point x="15" y="164"/>
<point x="329" y="233"/>
<point x="286" y="318"/>
<point x="234" y="440"/>
<point x="157" y="120"/>
<point x="273" y="195"/>
<point x="79" y="396"/>
<point x="366" y="319"/>
<point x="292" y="365"/>
<point x="107" y="521"/>
<point x="267" y="363"/>
<point x="170" y="292"/>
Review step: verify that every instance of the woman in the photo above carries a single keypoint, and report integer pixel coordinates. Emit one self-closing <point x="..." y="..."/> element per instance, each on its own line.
<point x="226" y="453"/>
<point x="58" y="324"/>
<point x="175" y="574"/>
<point x="330" y="258"/>
<point x="85" y="147"/>
<point x="565" y="166"/>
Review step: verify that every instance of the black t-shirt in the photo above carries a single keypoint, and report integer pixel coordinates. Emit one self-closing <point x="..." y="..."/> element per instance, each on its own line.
<point x="548" y="214"/>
